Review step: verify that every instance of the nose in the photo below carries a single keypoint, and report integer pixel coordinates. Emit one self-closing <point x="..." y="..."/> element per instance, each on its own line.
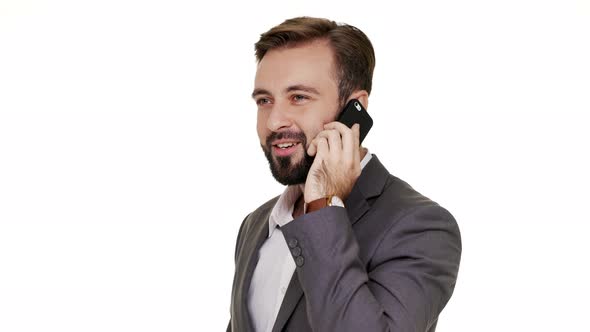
<point x="279" y="117"/>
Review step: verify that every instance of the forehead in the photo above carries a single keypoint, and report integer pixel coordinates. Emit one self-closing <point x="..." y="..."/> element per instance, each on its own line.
<point x="310" y="64"/>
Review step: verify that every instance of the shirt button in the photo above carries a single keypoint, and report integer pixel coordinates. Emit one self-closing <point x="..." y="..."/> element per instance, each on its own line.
<point x="284" y="290"/>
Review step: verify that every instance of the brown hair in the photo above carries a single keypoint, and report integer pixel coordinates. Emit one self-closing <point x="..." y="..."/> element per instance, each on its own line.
<point x="353" y="53"/>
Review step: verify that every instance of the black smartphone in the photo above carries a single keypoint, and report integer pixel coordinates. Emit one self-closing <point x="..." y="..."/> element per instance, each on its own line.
<point x="354" y="112"/>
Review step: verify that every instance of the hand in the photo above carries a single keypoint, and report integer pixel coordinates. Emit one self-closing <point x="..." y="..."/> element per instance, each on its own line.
<point x="337" y="163"/>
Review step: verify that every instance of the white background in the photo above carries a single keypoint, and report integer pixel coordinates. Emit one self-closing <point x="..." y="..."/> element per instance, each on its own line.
<point x="129" y="154"/>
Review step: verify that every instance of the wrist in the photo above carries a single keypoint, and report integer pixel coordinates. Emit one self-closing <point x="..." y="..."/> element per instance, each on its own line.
<point x="319" y="203"/>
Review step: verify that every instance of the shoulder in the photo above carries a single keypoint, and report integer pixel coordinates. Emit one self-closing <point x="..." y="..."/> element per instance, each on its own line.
<point x="391" y="198"/>
<point x="404" y="209"/>
<point x="404" y="198"/>
<point x="264" y="209"/>
<point x="417" y="225"/>
<point x="256" y="218"/>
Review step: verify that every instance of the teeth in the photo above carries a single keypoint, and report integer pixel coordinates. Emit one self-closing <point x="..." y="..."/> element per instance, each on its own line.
<point x="285" y="145"/>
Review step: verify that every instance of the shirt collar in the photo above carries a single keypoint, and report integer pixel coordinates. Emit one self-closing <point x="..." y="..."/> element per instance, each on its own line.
<point x="282" y="212"/>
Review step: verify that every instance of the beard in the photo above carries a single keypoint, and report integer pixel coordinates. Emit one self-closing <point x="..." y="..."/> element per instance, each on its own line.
<point x="287" y="170"/>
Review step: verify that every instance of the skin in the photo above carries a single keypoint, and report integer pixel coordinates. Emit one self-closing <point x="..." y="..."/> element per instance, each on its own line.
<point x="296" y="92"/>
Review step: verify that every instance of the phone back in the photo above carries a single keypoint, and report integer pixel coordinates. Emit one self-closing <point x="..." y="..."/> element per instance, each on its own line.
<point x="354" y="112"/>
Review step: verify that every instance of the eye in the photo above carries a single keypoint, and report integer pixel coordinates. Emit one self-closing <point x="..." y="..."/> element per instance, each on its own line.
<point x="262" y="101"/>
<point x="298" y="98"/>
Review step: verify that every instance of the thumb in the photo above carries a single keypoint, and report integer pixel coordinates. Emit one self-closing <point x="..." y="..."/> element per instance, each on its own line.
<point x="311" y="150"/>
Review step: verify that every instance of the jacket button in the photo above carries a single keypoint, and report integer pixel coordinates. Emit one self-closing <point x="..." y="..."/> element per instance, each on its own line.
<point x="296" y="251"/>
<point x="299" y="260"/>
<point x="292" y="243"/>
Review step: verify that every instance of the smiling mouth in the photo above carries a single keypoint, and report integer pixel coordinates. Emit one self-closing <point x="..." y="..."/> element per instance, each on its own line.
<point x="285" y="149"/>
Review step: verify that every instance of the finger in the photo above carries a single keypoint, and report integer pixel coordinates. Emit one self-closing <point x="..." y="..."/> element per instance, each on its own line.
<point x="333" y="137"/>
<point x="322" y="146"/>
<point x="312" y="149"/>
<point x="336" y="125"/>
<point x="349" y="147"/>
<point x="334" y="141"/>
<point x="342" y="129"/>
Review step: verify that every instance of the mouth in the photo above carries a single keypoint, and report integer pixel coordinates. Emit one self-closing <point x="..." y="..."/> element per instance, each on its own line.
<point x="285" y="149"/>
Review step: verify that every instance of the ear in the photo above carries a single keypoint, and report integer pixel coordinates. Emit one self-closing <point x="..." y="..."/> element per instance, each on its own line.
<point x="362" y="96"/>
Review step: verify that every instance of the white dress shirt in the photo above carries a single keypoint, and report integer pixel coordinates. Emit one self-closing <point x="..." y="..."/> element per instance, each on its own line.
<point x="275" y="264"/>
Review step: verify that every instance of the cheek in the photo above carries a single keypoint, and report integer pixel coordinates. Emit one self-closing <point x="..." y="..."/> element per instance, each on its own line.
<point x="261" y="128"/>
<point x="310" y="135"/>
<point x="314" y="122"/>
<point x="262" y="137"/>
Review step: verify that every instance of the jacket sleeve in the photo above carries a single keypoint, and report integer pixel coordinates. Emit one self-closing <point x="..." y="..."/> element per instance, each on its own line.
<point x="404" y="286"/>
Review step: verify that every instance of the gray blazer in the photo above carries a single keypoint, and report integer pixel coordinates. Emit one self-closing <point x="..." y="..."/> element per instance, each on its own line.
<point x="388" y="261"/>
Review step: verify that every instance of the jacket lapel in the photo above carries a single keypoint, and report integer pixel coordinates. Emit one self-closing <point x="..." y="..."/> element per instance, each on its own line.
<point x="250" y="252"/>
<point x="369" y="184"/>
<point x="290" y="301"/>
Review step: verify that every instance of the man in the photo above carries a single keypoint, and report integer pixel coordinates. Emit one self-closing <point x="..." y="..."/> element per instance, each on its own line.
<point x="347" y="246"/>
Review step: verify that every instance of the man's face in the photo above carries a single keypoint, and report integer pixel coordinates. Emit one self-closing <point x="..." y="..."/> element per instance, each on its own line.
<point x="296" y="94"/>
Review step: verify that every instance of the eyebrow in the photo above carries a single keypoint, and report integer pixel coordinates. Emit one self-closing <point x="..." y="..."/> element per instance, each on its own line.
<point x="297" y="87"/>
